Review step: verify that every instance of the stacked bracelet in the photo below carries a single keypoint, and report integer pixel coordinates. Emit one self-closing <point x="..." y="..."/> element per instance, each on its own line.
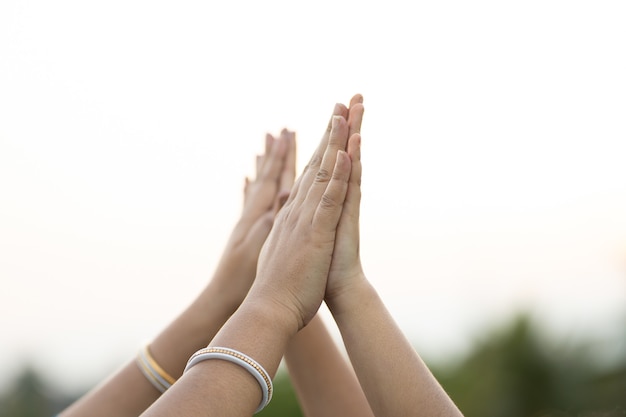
<point x="249" y="364"/>
<point x="153" y="372"/>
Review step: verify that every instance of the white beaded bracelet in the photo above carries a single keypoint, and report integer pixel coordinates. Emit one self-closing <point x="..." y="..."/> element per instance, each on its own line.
<point x="236" y="357"/>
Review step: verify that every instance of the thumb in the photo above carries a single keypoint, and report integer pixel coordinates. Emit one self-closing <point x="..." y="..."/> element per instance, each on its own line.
<point x="280" y="201"/>
<point x="260" y="229"/>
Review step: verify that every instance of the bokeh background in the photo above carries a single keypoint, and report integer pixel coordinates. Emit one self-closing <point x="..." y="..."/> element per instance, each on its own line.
<point x="493" y="218"/>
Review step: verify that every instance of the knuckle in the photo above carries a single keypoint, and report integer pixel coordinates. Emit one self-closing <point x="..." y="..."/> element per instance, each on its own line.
<point x="339" y="176"/>
<point x="322" y="175"/>
<point x="327" y="202"/>
<point x="335" y="140"/>
<point x="315" y="161"/>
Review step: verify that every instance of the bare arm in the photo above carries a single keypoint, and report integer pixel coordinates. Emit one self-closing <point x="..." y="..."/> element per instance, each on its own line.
<point x="289" y="288"/>
<point x="128" y="392"/>
<point x="395" y="380"/>
<point x="324" y="381"/>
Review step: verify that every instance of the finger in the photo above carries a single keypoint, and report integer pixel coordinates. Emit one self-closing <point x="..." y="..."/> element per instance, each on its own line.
<point x="280" y="201"/>
<point x="246" y="190"/>
<point x="355" y="118"/>
<point x="288" y="175"/>
<point x="336" y="142"/>
<point x="260" y="229"/>
<point x="269" y="142"/>
<point x="263" y="191"/>
<point x="351" y="207"/>
<point x="273" y="163"/>
<point x="354" y="152"/>
<point x="259" y="165"/>
<point x="357" y="98"/>
<point x="330" y="204"/>
<point x="339" y="110"/>
<point x="311" y="168"/>
<point x="269" y="139"/>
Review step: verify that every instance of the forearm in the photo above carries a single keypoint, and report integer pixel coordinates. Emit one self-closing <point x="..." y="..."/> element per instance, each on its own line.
<point x="220" y="388"/>
<point x="128" y="392"/>
<point x="323" y="380"/>
<point x="193" y="329"/>
<point x="394" y="378"/>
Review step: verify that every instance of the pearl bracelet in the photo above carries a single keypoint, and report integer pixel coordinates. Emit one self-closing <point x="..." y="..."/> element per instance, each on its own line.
<point x="236" y="357"/>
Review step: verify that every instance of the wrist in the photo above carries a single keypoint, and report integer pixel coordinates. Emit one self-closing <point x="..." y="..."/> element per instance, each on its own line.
<point x="350" y="297"/>
<point x="232" y="280"/>
<point x="270" y="313"/>
<point x="223" y="295"/>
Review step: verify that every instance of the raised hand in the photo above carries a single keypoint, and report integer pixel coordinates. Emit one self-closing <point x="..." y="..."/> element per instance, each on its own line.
<point x="295" y="260"/>
<point x="346" y="267"/>
<point x="289" y="287"/>
<point x="263" y="196"/>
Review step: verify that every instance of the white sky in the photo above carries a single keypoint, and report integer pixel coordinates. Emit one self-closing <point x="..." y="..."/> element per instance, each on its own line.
<point x="494" y="144"/>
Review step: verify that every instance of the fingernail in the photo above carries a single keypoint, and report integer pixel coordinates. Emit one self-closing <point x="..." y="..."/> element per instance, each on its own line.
<point x="336" y="120"/>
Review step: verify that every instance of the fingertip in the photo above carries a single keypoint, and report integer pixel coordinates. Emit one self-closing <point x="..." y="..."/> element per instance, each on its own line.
<point x="357" y="98"/>
<point x="281" y="145"/>
<point x="287" y="135"/>
<point x="340" y="109"/>
<point x="358" y="106"/>
<point x="354" y="146"/>
<point x="336" y="121"/>
<point x="343" y="160"/>
<point x="356" y="113"/>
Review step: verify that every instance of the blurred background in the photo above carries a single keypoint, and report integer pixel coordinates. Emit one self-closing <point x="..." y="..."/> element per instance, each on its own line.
<point x="494" y="185"/>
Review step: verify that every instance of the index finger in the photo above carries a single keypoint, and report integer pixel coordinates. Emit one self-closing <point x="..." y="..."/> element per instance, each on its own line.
<point x="288" y="174"/>
<point x="311" y="168"/>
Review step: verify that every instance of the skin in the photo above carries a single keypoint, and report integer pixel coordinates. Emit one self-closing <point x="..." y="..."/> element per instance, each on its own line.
<point x="311" y="255"/>
<point x="395" y="380"/>
<point x="198" y="324"/>
<point x="324" y="382"/>
<point x="289" y="288"/>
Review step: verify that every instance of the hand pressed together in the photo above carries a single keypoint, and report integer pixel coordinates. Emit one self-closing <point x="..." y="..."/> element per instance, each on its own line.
<point x="345" y="268"/>
<point x="263" y="196"/>
<point x="295" y="260"/>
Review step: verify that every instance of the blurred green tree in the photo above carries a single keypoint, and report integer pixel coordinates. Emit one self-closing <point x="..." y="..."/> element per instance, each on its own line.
<point x="26" y="398"/>
<point x="515" y="372"/>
